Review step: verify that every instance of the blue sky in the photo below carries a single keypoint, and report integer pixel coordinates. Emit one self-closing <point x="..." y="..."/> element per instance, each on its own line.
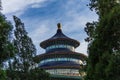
<point x="41" y="17"/>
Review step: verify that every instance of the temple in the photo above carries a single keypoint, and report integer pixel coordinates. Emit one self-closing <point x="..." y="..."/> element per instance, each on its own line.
<point x="60" y="58"/>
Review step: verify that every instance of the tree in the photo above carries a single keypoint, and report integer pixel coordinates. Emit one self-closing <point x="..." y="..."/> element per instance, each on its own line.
<point x="5" y="36"/>
<point x="5" y="32"/>
<point x="39" y="74"/>
<point x="6" y="46"/>
<point x="104" y="41"/>
<point x="24" y="64"/>
<point x="25" y="49"/>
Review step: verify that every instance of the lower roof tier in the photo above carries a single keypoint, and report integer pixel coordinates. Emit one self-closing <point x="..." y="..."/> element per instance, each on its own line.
<point x="65" y="77"/>
<point x="60" y="64"/>
<point x="62" y="67"/>
<point x="60" y="54"/>
<point x="68" y="41"/>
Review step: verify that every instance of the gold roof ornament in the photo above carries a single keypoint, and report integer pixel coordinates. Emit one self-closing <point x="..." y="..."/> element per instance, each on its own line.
<point x="59" y="26"/>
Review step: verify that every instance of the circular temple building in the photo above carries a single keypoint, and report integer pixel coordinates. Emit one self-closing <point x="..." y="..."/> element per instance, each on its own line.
<point x="60" y="57"/>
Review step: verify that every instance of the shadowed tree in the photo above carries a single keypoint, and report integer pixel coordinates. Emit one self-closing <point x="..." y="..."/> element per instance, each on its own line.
<point x="104" y="41"/>
<point x="24" y="60"/>
<point x="25" y="49"/>
<point x="6" y="46"/>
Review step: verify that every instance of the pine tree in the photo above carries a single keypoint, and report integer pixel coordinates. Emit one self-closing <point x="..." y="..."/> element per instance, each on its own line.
<point x="6" y="46"/>
<point x="25" y="50"/>
<point x="6" y="49"/>
<point x="104" y="41"/>
<point x="24" y="64"/>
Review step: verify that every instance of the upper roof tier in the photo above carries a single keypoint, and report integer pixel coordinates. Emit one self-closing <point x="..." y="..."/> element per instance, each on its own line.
<point x="59" y="38"/>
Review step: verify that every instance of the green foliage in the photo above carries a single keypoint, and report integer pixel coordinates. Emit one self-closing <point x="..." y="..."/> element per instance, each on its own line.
<point x="90" y="30"/>
<point x="25" y="48"/>
<point x="39" y="74"/>
<point x="102" y="6"/>
<point x="104" y="41"/>
<point x="2" y="75"/>
<point x="113" y="69"/>
<point x="6" y="46"/>
<point x="33" y="74"/>
<point x="24" y="66"/>
<point x="6" y="49"/>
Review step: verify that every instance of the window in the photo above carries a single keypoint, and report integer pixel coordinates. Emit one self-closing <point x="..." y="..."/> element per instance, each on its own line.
<point x="61" y="59"/>
<point x="60" y="46"/>
<point x="72" y="72"/>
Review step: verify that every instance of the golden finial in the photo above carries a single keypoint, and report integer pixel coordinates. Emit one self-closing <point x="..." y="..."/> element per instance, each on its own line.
<point x="59" y="26"/>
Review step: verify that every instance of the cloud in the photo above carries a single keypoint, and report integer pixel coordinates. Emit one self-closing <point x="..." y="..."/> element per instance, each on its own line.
<point x="82" y="48"/>
<point x="37" y="37"/>
<point x="36" y="6"/>
<point x="41" y="32"/>
<point x="73" y="14"/>
<point x="12" y="6"/>
<point x="73" y="20"/>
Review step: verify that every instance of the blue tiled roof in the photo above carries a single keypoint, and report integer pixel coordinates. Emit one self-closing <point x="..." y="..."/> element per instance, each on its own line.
<point x="59" y="34"/>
